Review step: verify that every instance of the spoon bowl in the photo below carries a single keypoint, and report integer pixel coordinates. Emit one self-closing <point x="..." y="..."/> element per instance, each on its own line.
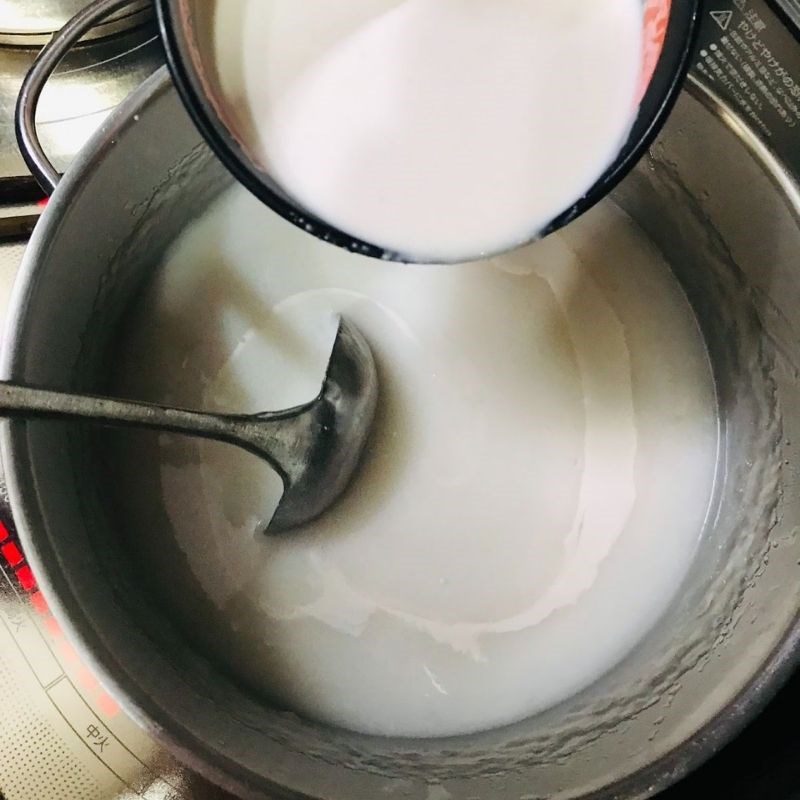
<point x="315" y="447"/>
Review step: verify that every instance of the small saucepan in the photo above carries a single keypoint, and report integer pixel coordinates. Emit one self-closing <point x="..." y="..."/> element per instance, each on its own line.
<point x="669" y="33"/>
<point x="670" y="27"/>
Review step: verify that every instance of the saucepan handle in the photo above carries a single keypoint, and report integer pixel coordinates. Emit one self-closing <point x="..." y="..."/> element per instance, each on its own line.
<point x="46" y="63"/>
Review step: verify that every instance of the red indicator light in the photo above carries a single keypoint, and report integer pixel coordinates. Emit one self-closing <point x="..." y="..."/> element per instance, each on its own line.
<point x="52" y="626"/>
<point x="4" y="534"/>
<point x="43" y="202"/>
<point x="107" y="704"/>
<point x="12" y="554"/>
<point x="39" y="603"/>
<point x="69" y="653"/>
<point x="26" y="579"/>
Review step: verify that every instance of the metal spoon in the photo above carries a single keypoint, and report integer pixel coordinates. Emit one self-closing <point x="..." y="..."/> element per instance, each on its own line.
<point x="315" y="447"/>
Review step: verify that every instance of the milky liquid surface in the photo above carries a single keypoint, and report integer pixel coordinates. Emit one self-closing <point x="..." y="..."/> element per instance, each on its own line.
<point x="531" y="498"/>
<point x="433" y="128"/>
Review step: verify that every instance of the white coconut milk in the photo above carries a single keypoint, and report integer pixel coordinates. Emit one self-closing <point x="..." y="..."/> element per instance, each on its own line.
<point x="433" y="128"/>
<point x="530" y="501"/>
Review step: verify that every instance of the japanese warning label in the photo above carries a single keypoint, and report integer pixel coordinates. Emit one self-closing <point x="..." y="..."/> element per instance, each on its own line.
<point x="749" y="56"/>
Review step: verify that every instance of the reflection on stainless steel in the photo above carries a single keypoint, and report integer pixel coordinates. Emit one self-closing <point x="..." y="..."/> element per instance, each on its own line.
<point x="30" y="22"/>
<point x="90" y="82"/>
<point x="792" y="10"/>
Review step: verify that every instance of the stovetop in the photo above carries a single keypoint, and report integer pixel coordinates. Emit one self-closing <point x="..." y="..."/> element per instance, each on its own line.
<point x="32" y="22"/>
<point x="62" y="737"/>
<point x="89" y="84"/>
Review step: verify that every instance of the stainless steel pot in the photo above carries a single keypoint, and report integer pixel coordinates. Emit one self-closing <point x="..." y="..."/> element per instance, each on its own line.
<point x="727" y="217"/>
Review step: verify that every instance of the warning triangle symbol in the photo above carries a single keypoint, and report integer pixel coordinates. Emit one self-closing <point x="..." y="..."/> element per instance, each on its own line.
<point x="722" y="18"/>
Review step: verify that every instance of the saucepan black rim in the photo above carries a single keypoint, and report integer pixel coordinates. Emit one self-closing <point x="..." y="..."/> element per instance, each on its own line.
<point x="658" y="101"/>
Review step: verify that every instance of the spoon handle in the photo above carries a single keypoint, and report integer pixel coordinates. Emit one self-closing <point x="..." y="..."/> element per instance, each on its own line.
<point x="24" y="401"/>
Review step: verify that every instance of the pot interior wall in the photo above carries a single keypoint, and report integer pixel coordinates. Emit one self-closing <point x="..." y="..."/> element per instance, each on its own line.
<point x="729" y="229"/>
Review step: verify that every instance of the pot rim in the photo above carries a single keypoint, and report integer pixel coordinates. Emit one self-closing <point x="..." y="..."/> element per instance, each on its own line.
<point x="741" y="709"/>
